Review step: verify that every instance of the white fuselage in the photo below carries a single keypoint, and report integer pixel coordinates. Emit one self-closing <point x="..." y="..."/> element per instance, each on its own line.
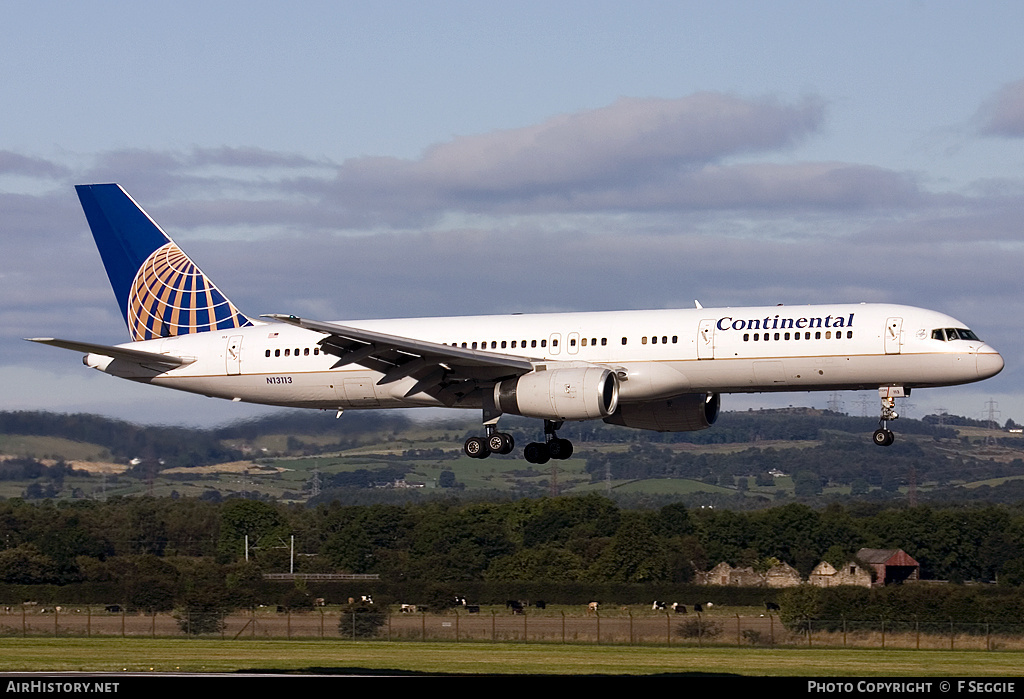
<point x="655" y="354"/>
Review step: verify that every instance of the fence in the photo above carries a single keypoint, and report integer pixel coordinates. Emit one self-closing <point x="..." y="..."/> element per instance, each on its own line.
<point x="619" y="627"/>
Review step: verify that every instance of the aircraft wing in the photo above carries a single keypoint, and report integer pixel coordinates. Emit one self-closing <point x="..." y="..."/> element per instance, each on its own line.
<point x="443" y="371"/>
<point x="164" y="361"/>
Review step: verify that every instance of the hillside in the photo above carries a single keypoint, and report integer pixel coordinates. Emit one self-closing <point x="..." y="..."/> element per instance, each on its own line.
<point x="748" y="459"/>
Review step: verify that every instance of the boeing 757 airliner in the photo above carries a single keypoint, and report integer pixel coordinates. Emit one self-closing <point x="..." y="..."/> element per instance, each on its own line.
<point x="654" y="370"/>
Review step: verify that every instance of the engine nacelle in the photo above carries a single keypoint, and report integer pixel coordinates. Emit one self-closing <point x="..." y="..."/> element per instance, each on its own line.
<point x="685" y="413"/>
<point x="585" y="393"/>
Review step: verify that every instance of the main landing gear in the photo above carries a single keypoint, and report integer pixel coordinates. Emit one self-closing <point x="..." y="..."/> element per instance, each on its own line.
<point x="494" y="443"/>
<point x="553" y="447"/>
<point x="883" y="436"/>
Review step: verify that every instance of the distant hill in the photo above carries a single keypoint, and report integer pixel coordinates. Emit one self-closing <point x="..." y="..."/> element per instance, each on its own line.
<point x="815" y="455"/>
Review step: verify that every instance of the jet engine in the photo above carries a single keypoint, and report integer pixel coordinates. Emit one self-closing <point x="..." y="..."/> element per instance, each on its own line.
<point x="686" y="413"/>
<point x="583" y="393"/>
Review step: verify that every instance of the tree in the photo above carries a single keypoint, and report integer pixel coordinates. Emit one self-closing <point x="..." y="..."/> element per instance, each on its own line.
<point x="241" y="518"/>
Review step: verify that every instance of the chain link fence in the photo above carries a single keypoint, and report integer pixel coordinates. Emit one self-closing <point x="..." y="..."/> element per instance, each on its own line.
<point x="494" y="625"/>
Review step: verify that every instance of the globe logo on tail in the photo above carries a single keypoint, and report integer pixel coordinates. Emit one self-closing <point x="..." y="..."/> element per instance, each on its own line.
<point x="171" y="296"/>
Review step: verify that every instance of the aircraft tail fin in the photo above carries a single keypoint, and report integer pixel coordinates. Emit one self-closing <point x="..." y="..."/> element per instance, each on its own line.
<point x="161" y="292"/>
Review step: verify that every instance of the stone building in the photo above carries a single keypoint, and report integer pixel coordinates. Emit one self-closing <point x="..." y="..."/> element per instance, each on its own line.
<point x="825" y="575"/>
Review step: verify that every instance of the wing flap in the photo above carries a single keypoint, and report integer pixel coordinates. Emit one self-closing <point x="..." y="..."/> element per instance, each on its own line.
<point x="436" y="367"/>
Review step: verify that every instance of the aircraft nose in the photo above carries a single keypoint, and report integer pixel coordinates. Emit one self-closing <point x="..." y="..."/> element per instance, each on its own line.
<point x="990" y="362"/>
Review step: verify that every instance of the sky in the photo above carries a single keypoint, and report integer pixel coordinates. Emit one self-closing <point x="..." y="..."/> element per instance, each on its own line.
<point x="344" y="160"/>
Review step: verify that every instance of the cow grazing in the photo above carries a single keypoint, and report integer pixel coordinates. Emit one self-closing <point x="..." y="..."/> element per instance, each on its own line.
<point x="658" y="606"/>
<point x="771" y="607"/>
<point x="678" y="608"/>
<point x="593" y="607"/>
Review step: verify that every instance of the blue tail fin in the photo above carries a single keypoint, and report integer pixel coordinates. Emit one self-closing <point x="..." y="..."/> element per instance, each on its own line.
<point x="160" y="290"/>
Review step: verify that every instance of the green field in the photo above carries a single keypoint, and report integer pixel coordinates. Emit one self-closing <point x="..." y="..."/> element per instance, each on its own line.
<point x="182" y="655"/>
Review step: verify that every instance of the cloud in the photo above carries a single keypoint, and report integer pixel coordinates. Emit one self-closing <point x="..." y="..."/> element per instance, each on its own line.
<point x="611" y="157"/>
<point x="1003" y="114"/>
<point x="12" y="163"/>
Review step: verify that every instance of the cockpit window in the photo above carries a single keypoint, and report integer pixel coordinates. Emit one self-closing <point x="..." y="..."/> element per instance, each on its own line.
<point x="950" y="334"/>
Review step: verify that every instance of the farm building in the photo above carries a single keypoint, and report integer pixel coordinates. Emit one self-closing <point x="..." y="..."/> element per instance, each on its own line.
<point x="779" y="575"/>
<point x="891" y="566"/>
<point x="825" y="575"/>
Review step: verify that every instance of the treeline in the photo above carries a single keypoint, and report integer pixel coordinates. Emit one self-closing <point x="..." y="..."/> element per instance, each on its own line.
<point x="586" y="539"/>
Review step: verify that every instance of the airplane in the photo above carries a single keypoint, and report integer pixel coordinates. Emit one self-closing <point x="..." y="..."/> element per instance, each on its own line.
<point x="661" y="370"/>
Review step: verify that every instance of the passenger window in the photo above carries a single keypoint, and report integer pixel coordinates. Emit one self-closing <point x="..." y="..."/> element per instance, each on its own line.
<point x="277" y="353"/>
<point x="287" y="353"/>
<point x="572" y="342"/>
<point x="268" y="353"/>
<point x="543" y="343"/>
<point x="675" y="339"/>
<point x="503" y="344"/>
<point x="604" y="341"/>
<point x="533" y="343"/>
<point x="654" y="340"/>
<point x="305" y="352"/>
<point x="554" y="343"/>
<point x="583" y="342"/>
<point x="643" y="340"/>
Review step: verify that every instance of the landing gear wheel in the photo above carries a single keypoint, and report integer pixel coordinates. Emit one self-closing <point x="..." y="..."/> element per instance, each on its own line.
<point x="500" y="443"/>
<point x="476" y="448"/>
<point x="536" y="453"/>
<point x="560" y="448"/>
<point x="883" y="437"/>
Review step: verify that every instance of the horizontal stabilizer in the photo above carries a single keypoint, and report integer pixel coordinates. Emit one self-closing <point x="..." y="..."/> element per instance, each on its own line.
<point x="131" y="355"/>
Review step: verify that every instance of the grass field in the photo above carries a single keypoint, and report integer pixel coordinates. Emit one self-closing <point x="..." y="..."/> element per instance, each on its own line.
<point x="182" y="655"/>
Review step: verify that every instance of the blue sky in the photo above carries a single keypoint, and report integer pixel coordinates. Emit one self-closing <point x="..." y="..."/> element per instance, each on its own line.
<point x="352" y="160"/>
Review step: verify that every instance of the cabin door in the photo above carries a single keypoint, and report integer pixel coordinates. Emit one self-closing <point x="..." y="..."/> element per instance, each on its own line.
<point x="893" y="335"/>
<point x="233" y="355"/>
<point x="706" y="339"/>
